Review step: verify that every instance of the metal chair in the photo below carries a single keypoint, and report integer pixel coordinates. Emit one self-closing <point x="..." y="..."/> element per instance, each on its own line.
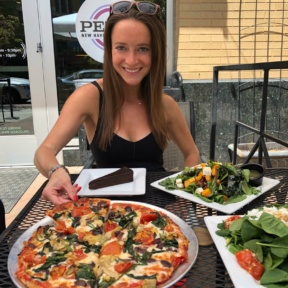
<point x="173" y="158"/>
<point x="2" y="217"/>
<point x="3" y="94"/>
<point x="175" y="88"/>
<point x="2" y="106"/>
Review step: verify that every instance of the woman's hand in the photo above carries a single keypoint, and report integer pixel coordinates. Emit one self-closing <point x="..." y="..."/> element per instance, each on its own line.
<point x="59" y="188"/>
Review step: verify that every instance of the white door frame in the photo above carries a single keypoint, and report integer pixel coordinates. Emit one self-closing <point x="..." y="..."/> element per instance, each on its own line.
<point x="19" y="150"/>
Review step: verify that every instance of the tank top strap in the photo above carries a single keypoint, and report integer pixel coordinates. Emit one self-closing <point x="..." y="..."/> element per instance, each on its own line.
<point x="96" y="84"/>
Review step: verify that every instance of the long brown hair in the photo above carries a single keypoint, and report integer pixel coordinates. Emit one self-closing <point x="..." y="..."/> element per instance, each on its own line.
<point x="151" y="86"/>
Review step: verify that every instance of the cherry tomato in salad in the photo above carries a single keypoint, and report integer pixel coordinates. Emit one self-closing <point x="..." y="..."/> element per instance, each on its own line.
<point x="248" y="261"/>
<point x="229" y="221"/>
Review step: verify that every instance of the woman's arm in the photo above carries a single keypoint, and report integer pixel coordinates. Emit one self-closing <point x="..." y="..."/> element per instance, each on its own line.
<point x="180" y="133"/>
<point x="81" y="106"/>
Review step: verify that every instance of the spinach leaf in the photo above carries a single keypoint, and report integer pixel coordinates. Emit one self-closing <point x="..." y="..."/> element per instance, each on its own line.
<point x="105" y="283"/>
<point x="274" y="276"/>
<point x="169" y="183"/>
<point x="223" y="232"/>
<point x="279" y="247"/>
<point x="284" y="265"/>
<point x="142" y="277"/>
<point x="237" y="224"/>
<point x="246" y="188"/>
<point x="85" y="271"/>
<point x="160" y="221"/>
<point x="75" y="222"/>
<point x="271" y="262"/>
<point x="126" y="219"/>
<point x="51" y="261"/>
<point x="272" y="225"/>
<point x="209" y="200"/>
<point x="57" y="216"/>
<point x="235" y="199"/>
<point x="233" y="248"/>
<point x="128" y="245"/>
<point x="171" y="242"/>
<point x="253" y="246"/>
<point x="249" y="231"/>
<point x="93" y="248"/>
<point x="144" y="258"/>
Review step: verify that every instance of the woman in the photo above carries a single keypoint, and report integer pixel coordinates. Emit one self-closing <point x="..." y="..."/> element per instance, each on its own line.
<point x="132" y="118"/>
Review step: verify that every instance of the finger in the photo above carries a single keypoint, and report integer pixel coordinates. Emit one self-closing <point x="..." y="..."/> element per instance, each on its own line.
<point x="72" y="192"/>
<point x="57" y="197"/>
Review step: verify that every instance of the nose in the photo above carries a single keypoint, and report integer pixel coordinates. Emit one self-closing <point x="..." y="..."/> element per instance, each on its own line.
<point x="131" y="58"/>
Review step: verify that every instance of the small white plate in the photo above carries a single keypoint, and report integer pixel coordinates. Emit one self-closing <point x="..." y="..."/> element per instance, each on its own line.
<point x="136" y="187"/>
<point x="225" y="208"/>
<point x="238" y="275"/>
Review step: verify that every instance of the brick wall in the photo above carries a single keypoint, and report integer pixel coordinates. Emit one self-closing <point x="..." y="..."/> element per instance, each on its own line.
<point x="222" y="32"/>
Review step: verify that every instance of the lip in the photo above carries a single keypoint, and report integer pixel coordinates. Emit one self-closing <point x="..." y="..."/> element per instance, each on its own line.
<point x="132" y="71"/>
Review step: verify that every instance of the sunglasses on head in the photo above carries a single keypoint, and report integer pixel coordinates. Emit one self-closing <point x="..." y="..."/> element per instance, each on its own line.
<point x="142" y="6"/>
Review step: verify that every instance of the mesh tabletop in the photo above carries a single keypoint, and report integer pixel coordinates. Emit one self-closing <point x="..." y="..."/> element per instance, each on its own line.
<point x="208" y="270"/>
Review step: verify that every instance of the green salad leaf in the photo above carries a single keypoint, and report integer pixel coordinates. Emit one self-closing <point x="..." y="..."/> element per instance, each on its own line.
<point x="213" y="182"/>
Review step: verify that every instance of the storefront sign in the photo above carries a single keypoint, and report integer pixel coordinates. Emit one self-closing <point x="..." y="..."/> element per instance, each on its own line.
<point x="13" y="52"/>
<point x="90" y="24"/>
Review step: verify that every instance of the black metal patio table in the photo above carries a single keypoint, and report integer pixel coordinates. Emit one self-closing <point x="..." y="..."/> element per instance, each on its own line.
<point x="208" y="270"/>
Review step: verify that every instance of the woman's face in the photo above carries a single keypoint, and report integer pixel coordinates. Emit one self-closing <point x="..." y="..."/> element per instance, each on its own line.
<point x="131" y="50"/>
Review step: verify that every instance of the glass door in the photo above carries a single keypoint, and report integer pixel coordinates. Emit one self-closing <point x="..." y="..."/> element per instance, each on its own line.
<point x="28" y="83"/>
<point x="17" y="132"/>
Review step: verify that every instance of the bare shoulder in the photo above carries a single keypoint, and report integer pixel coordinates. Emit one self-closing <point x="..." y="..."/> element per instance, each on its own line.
<point x="85" y="97"/>
<point x="87" y="91"/>
<point x="171" y="106"/>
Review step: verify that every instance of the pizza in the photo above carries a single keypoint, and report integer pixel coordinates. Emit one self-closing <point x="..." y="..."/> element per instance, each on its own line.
<point x="94" y="242"/>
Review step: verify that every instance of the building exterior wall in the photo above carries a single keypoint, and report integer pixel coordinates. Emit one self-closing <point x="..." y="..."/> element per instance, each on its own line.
<point x="222" y="32"/>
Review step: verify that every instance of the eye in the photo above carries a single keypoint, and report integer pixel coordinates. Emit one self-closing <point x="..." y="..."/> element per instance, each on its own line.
<point x="143" y="49"/>
<point x="120" y="48"/>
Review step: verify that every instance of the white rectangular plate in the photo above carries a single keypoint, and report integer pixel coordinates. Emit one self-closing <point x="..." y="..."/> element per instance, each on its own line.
<point x="229" y="208"/>
<point x="136" y="187"/>
<point x="238" y="275"/>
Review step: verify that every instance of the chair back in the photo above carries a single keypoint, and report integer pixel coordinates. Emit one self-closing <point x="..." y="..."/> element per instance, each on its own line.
<point x="173" y="157"/>
<point x="2" y="217"/>
<point x="86" y="156"/>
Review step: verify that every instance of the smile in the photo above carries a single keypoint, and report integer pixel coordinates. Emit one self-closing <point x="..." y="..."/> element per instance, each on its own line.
<point x="132" y="70"/>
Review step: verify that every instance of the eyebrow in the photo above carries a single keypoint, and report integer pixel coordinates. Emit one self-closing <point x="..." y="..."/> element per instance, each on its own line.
<point x="138" y="45"/>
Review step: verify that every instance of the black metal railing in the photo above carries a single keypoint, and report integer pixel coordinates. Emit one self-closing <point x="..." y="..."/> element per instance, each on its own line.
<point x="261" y="132"/>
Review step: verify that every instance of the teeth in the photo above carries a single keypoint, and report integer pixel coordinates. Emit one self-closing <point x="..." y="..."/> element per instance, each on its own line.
<point x="132" y="70"/>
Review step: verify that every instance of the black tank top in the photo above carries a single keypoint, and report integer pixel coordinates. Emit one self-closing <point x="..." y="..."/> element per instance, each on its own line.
<point x="144" y="153"/>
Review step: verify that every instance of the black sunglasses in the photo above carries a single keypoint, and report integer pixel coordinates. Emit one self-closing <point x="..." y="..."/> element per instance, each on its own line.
<point x="142" y="6"/>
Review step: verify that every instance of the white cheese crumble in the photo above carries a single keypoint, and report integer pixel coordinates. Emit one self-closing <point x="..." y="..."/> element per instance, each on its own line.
<point x="281" y="214"/>
<point x="206" y="171"/>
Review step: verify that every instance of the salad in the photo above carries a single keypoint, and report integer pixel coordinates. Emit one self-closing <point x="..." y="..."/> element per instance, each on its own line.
<point x="213" y="182"/>
<point x="259" y="241"/>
